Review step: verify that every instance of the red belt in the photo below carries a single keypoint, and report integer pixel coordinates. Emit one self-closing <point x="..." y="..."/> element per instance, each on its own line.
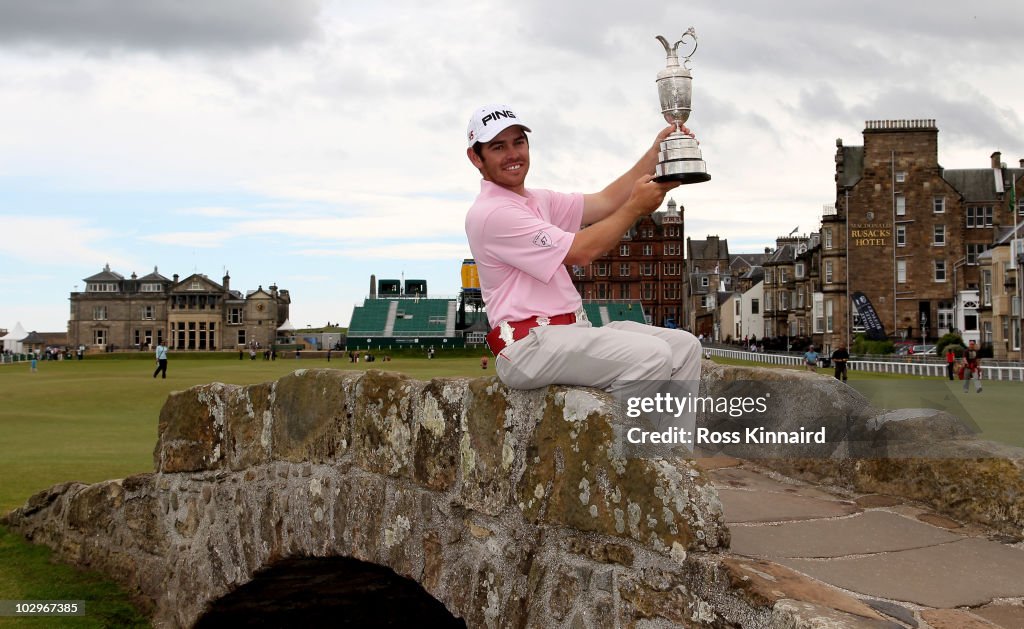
<point x="519" y="329"/>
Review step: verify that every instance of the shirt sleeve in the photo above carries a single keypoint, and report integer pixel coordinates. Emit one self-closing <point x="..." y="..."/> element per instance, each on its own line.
<point x="528" y="243"/>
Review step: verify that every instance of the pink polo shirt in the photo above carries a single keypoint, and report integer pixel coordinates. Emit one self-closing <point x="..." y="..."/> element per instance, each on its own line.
<point x="519" y="244"/>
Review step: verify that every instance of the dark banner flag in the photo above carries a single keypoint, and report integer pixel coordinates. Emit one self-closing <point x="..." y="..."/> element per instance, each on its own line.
<point x="869" y="318"/>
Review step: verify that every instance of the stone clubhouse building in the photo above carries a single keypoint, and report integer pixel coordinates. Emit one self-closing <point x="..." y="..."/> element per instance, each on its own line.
<point x="193" y="313"/>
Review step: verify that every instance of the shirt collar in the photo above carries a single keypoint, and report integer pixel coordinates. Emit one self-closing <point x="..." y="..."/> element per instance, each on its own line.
<point x="491" y="189"/>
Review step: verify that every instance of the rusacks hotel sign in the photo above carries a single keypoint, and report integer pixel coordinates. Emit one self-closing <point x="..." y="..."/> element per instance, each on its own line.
<point x="870" y="234"/>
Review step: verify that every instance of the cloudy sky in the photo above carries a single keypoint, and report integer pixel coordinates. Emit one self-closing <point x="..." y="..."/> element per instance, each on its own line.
<point x="310" y="143"/>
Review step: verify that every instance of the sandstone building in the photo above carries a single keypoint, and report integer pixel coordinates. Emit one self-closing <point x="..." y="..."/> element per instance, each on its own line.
<point x="908" y="233"/>
<point x="194" y="313"/>
<point x="646" y="265"/>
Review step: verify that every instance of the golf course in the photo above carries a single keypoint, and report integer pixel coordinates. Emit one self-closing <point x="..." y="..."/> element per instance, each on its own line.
<point x="96" y="419"/>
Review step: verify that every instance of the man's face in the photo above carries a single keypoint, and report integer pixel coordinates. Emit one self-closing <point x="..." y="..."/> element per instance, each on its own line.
<point x="505" y="160"/>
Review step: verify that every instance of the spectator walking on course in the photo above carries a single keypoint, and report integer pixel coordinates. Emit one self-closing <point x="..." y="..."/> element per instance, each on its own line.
<point x="161" y="360"/>
<point x="839" y="359"/>
<point x="972" y="368"/>
<point x="950" y="361"/>
<point x="811" y="359"/>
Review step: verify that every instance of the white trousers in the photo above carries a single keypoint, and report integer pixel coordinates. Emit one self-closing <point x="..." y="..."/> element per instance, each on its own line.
<point x="611" y="357"/>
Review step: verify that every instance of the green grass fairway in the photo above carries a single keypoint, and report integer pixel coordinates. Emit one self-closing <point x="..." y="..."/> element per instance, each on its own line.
<point x="96" y="420"/>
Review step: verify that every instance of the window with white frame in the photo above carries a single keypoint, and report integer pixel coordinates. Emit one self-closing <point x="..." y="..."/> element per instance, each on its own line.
<point x="986" y="287"/>
<point x="901" y="176"/>
<point x="647" y="269"/>
<point x="940" y="270"/>
<point x="979" y="216"/>
<point x="99" y="337"/>
<point x="901" y="205"/>
<point x="828" y="315"/>
<point x="672" y="290"/>
<point x="152" y="288"/>
<point x="672" y="268"/>
<point x="673" y="249"/>
<point x="901" y="271"/>
<point x="828" y="271"/>
<point x="826" y="236"/>
<point x="939" y="205"/>
<point x="148" y="313"/>
<point x="799" y="270"/>
<point x="99" y="313"/>
<point x="624" y="250"/>
<point x="704" y="281"/>
<point x="974" y="250"/>
<point x="648" y="250"/>
<point x="101" y="287"/>
<point x="601" y="269"/>
<point x="623" y="269"/>
<point x="755" y="306"/>
<point x="901" y="235"/>
<point x="939" y="236"/>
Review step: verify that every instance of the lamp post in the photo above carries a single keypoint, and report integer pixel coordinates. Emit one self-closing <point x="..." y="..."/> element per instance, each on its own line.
<point x="956" y="296"/>
<point x="924" y="328"/>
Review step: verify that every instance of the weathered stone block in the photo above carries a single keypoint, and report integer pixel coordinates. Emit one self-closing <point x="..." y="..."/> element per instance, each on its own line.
<point x="310" y="415"/>
<point x="382" y="423"/>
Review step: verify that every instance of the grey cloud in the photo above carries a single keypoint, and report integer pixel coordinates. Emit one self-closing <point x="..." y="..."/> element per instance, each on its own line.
<point x="158" y="25"/>
<point x="971" y="119"/>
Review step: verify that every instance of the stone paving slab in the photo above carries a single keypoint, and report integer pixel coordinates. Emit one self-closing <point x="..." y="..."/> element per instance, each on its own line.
<point x="740" y="505"/>
<point x="787" y="613"/>
<point x="740" y="478"/>
<point x="956" y="619"/>
<point x="768" y="581"/>
<point x="865" y="533"/>
<point x="1007" y="616"/>
<point x="970" y="572"/>
<point x="716" y="462"/>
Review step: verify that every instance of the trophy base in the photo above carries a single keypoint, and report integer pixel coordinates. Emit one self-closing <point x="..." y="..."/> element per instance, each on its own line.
<point x="684" y="178"/>
<point x="680" y="160"/>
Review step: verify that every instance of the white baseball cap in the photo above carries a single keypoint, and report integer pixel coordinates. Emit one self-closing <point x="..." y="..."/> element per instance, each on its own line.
<point x="490" y="120"/>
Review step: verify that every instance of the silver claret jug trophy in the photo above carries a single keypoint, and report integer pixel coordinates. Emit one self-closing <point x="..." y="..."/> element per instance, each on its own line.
<point x="679" y="158"/>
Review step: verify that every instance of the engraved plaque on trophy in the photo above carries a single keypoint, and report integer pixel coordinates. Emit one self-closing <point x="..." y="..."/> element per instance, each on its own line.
<point x="679" y="157"/>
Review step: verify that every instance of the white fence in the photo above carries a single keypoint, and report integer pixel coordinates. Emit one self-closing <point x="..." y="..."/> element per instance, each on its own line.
<point x="989" y="372"/>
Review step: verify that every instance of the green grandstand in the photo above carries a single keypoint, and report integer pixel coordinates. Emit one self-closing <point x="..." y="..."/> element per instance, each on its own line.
<point x="418" y="321"/>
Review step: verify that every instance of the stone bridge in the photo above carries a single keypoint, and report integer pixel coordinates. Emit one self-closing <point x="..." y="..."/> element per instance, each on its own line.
<point x="451" y="502"/>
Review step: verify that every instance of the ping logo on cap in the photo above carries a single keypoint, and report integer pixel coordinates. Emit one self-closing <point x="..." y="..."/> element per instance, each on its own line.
<point x="495" y="115"/>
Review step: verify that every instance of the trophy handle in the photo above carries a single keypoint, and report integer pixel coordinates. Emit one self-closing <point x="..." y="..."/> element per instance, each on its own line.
<point x="672" y="52"/>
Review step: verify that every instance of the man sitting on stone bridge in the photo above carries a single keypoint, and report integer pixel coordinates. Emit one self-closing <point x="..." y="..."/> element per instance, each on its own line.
<point x="522" y="240"/>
